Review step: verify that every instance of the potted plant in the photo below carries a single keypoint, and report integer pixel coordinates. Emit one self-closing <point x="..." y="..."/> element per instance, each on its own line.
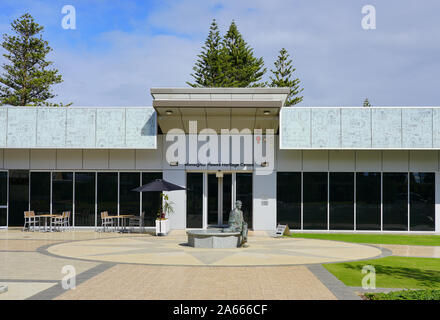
<point x="162" y="221"/>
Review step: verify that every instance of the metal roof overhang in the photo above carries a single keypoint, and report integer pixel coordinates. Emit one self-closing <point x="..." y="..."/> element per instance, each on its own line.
<point x="217" y="115"/>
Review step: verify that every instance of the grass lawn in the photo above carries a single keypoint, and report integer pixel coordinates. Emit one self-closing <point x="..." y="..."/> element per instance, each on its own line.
<point x="423" y="240"/>
<point x="391" y="272"/>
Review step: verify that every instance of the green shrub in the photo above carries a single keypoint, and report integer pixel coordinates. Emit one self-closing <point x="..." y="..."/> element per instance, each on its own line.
<point x="406" y="295"/>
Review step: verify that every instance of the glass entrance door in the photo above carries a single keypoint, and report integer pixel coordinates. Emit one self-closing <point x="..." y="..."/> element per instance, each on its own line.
<point x="219" y="199"/>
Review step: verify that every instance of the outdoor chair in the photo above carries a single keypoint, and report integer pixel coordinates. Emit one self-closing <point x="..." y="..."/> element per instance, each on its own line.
<point x="66" y="220"/>
<point x="106" y="221"/>
<point x="137" y="222"/>
<point x="30" y="220"/>
<point x="57" y="222"/>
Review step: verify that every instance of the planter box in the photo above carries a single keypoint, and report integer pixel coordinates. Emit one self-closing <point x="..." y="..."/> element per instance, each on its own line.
<point x="162" y="227"/>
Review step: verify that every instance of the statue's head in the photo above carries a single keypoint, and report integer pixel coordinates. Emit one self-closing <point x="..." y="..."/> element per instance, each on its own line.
<point x="238" y="204"/>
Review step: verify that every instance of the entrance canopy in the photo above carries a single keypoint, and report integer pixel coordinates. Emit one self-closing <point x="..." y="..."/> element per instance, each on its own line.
<point x="218" y="108"/>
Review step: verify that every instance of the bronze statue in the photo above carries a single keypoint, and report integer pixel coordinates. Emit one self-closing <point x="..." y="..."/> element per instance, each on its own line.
<point x="236" y="222"/>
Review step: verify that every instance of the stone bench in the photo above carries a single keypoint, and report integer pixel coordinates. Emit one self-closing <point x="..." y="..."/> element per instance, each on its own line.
<point x="215" y="238"/>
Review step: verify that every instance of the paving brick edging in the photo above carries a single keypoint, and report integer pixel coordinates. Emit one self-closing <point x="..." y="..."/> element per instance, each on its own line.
<point x="340" y="290"/>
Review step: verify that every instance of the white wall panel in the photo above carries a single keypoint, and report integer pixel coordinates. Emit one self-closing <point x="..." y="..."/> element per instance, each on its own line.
<point x="51" y="127"/>
<point x="150" y="158"/>
<point x="178" y="218"/>
<point x="326" y="128"/>
<point x="368" y="161"/>
<point x="341" y="160"/>
<point x="43" y="159"/>
<point x="69" y="159"/>
<point x="264" y="201"/>
<point x="122" y="159"/>
<point x="81" y="128"/>
<point x="421" y="160"/>
<point x="395" y="161"/>
<point x="110" y="127"/>
<point x="95" y="159"/>
<point x="3" y="126"/>
<point x="315" y="160"/>
<point x="16" y="158"/>
<point x="22" y="127"/>
<point x="289" y="160"/>
<point x="386" y="128"/>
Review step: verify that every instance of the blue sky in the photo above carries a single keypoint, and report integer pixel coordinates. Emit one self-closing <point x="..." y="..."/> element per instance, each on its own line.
<point x="122" y="48"/>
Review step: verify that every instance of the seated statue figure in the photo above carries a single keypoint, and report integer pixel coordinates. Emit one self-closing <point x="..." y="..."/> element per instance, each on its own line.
<point x="236" y="222"/>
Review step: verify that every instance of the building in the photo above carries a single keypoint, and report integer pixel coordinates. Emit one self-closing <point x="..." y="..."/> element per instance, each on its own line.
<point x="338" y="168"/>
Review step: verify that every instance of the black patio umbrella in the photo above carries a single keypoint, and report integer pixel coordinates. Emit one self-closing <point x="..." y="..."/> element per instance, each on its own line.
<point x="158" y="185"/>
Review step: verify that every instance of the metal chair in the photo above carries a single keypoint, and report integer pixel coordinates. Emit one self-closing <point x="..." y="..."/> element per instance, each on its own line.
<point x="30" y="220"/>
<point x="57" y="222"/>
<point x="137" y="222"/>
<point x="66" y="219"/>
<point x="106" y="221"/>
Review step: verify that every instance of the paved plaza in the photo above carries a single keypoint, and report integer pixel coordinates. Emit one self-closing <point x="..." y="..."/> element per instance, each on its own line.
<point x="143" y="266"/>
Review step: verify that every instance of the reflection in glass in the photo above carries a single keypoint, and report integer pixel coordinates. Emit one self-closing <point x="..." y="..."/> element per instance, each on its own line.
<point x="227" y="197"/>
<point x="194" y="200"/>
<point x="315" y="200"/>
<point x="40" y="192"/>
<point x="422" y="201"/>
<point x="289" y="199"/>
<point x="341" y="201"/>
<point x="3" y="197"/>
<point x="3" y="188"/>
<point x="129" y="201"/>
<point x="395" y="201"/>
<point x="150" y="200"/>
<point x="212" y="199"/>
<point x="244" y="193"/>
<point x="107" y="193"/>
<point x="85" y="198"/>
<point x="18" y="196"/>
<point x="368" y="191"/>
<point x="62" y="192"/>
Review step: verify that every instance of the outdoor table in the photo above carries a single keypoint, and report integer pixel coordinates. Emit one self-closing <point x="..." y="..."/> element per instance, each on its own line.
<point x="122" y="218"/>
<point x="45" y="216"/>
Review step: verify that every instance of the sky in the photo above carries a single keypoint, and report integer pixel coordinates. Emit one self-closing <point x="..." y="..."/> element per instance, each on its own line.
<point x="122" y="48"/>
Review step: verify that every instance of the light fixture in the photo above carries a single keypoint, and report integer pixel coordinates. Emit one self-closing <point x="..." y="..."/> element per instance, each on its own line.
<point x="264" y="164"/>
<point x="266" y="112"/>
<point x="219" y="174"/>
<point x="174" y="163"/>
<point x="169" y="112"/>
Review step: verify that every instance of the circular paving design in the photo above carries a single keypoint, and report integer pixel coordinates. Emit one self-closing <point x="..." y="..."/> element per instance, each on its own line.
<point x="172" y="250"/>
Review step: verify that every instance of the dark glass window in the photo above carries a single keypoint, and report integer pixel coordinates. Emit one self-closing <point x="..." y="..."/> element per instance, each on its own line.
<point x="368" y="192"/>
<point x="212" y="199"/>
<point x="150" y="200"/>
<point x="62" y="192"/>
<point x="227" y="197"/>
<point x="129" y="201"/>
<point x="244" y="193"/>
<point x="85" y="198"/>
<point x="289" y="199"/>
<point x="422" y="201"/>
<point x="315" y="200"/>
<point x="341" y="201"/>
<point x="107" y="193"/>
<point x="395" y="201"/>
<point x="40" y="192"/>
<point x="18" y="196"/>
<point x="3" y="197"/>
<point x="194" y="200"/>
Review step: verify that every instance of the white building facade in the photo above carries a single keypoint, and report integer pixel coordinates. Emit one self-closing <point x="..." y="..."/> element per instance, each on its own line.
<point x="325" y="169"/>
